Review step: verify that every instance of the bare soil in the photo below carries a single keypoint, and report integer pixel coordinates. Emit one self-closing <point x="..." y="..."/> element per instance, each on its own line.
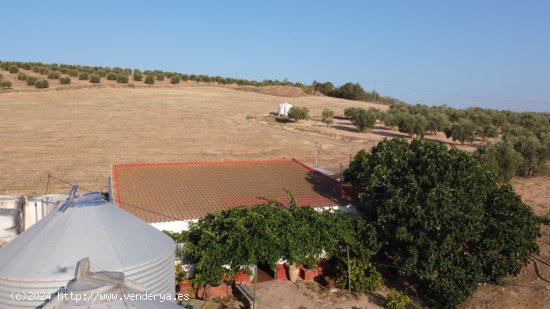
<point x="77" y="134"/>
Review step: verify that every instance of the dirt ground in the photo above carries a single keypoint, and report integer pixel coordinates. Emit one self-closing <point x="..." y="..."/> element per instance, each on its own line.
<point x="77" y="134"/>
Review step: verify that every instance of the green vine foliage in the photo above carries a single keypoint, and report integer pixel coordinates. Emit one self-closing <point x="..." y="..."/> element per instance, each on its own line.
<point x="442" y="218"/>
<point x="266" y="233"/>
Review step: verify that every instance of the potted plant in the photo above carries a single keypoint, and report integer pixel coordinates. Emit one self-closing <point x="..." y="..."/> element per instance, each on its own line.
<point x="293" y="272"/>
<point x="183" y="285"/>
<point x="243" y="275"/>
<point x="309" y="272"/>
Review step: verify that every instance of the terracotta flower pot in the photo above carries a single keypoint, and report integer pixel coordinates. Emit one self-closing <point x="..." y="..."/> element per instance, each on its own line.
<point x="186" y="288"/>
<point x="219" y="291"/>
<point x="309" y="274"/>
<point x="241" y="277"/>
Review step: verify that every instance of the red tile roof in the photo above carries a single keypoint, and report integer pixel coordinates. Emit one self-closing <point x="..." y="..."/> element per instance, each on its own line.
<point x="161" y="192"/>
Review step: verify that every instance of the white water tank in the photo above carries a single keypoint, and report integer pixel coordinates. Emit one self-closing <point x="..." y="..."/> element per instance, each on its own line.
<point x="10" y="216"/>
<point x="283" y="108"/>
<point x="43" y="258"/>
<point x="38" y="207"/>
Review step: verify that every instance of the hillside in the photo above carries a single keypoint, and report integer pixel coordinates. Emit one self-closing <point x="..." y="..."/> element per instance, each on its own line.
<point x="77" y="134"/>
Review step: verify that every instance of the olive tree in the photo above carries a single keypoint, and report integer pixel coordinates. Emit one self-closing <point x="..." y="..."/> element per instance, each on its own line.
<point x="327" y="117"/>
<point x="298" y="113"/>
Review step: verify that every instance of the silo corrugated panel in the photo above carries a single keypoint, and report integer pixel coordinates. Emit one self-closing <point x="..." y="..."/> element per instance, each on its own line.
<point x="11" y="201"/>
<point x="43" y="258"/>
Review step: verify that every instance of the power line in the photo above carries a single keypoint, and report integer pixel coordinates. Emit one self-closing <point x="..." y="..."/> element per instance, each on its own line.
<point x="374" y="263"/>
<point x="459" y="95"/>
<point x="119" y="202"/>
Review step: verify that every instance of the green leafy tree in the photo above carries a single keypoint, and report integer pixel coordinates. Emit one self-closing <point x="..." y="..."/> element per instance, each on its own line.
<point x="488" y="131"/>
<point x="95" y="79"/>
<point x="111" y="76"/>
<point x="138" y="77"/>
<point x="501" y="158"/>
<point x="21" y="76"/>
<point x="327" y="117"/>
<point x="149" y="79"/>
<point x="53" y="75"/>
<point x="122" y="79"/>
<point x="364" y="120"/>
<point x="73" y="73"/>
<point x="13" y="69"/>
<point x="5" y="84"/>
<point x="31" y="80"/>
<point x="350" y="112"/>
<point x="83" y="76"/>
<point x="65" y="80"/>
<point x="430" y="208"/>
<point x="437" y="122"/>
<point x="298" y="113"/>
<point x="413" y="125"/>
<point x="175" y="79"/>
<point x="463" y="131"/>
<point x="41" y="84"/>
<point x="160" y="77"/>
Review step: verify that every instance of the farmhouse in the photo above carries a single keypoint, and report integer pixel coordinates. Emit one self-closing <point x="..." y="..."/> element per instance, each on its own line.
<point x="172" y="195"/>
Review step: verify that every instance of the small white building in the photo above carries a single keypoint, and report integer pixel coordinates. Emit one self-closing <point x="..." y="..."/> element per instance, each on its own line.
<point x="283" y="108"/>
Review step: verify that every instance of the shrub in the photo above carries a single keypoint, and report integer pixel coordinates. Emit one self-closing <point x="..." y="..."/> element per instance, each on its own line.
<point x="53" y="75"/>
<point x="83" y="76"/>
<point x="149" y="79"/>
<point x="175" y="79"/>
<point x="363" y="276"/>
<point x="65" y="80"/>
<point x="111" y="76"/>
<point x="4" y="84"/>
<point x="26" y="66"/>
<point x="138" y="77"/>
<point x="42" y="83"/>
<point x="95" y="79"/>
<point x="31" y="80"/>
<point x="13" y="69"/>
<point x="298" y="113"/>
<point x="396" y="300"/>
<point x="327" y="117"/>
<point x="160" y="77"/>
<point x="122" y="79"/>
<point x="1" y="77"/>
<point x="73" y="73"/>
<point x="22" y="76"/>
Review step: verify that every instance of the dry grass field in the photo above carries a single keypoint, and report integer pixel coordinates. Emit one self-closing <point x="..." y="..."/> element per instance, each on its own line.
<point x="77" y="134"/>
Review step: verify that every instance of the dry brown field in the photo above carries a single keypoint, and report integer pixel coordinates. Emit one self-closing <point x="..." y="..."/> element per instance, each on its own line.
<point x="76" y="134"/>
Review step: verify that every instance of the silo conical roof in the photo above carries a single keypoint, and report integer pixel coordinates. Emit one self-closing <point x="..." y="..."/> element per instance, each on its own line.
<point x="43" y="258"/>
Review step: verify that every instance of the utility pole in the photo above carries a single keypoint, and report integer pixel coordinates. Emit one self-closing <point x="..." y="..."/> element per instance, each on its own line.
<point x="317" y="153"/>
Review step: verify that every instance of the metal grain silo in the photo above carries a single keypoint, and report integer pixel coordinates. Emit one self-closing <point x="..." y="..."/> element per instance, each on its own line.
<point x="43" y="258"/>
<point x="93" y="290"/>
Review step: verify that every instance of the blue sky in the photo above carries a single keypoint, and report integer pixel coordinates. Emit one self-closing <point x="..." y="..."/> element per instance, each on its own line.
<point x="418" y="51"/>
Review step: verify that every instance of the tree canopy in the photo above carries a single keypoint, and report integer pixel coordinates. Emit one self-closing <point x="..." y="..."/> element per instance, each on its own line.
<point x="441" y="217"/>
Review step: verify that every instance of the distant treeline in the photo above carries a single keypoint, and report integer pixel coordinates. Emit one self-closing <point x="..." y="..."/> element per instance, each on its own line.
<point x="522" y="147"/>
<point x="94" y="74"/>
